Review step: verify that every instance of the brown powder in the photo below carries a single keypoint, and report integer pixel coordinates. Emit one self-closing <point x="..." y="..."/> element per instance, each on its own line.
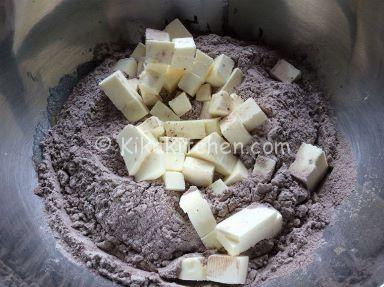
<point x="134" y="233"/>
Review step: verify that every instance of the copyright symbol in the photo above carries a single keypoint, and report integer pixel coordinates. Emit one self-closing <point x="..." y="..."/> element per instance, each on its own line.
<point x="103" y="143"/>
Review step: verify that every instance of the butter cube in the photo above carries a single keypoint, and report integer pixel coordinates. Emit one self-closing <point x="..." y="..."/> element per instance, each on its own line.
<point x="263" y="169"/>
<point x="227" y="269"/>
<point x="156" y="35"/>
<point x="198" y="210"/>
<point x="174" y="161"/>
<point x="181" y="104"/>
<point x="184" y="53"/>
<point x="198" y="172"/>
<point x="190" y="83"/>
<point x="210" y="241"/>
<point x="218" y="187"/>
<point x="172" y="78"/>
<point x="204" y="93"/>
<point x="285" y="72"/>
<point x="156" y="67"/>
<point x="188" y="129"/>
<point x="153" y="166"/>
<point x="159" y="52"/>
<point x="221" y="70"/>
<point x="135" y="147"/>
<point x="151" y="82"/>
<point x="140" y="66"/>
<point x="233" y="81"/>
<point x="149" y="99"/>
<point x="134" y="84"/>
<point x="176" y="29"/>
<point x="215" y="150"/>
<point x="310" y="165"/>
<point x="128" y="66"/>
<point x="163" y="112"/>
<point x="236" y="101"/>
<point x="250" y="114"/>
<point x="138" y="52"/>
<point x="152" y="125"/>
<point x="238" y="173"/>
<point x="247" y="227"/>
<point x="211" y="125"/>
<point x="174" y="180"/>
<point x="174" y="144"/>
<point x="193" y="269"/>
<point x="201" y="65"/>
<point x="220" y="104"/>
<point x="204" y="114"/>
<point x="123" y="96"/>
<point x="234" y="131"/>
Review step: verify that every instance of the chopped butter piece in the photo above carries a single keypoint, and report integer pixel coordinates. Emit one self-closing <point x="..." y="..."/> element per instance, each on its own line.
<point x="204" y="93"/>
<point x="181" y="104"/>
<point x="192" y="129"/>
<point x="233" y="81"/>
<point x="159" y="52"/>
<point x="123" y="96"/>
<point x="236" y="101"/>
<point x="149" y="99"/>
<point x="198" y="172"/>
<point x="134" y="83"/>
<point x="247" y="227"/>
<point x="152" y="125"/>
<point x="176" y="29"/>
<point x="128" y="66"/>
<point x="201" y="65"/>
<point x="210" y="241"/>
<point x="193" y="269"/>
<point x="221" y="70"/>
<point x="234" y="131"/>
<point x="172" y="78"/>
<point x="184" y="53"/>
<point x="174" y="161"/>
<point x="157" y="35"/>
<point x="135" y="147"/>
<point x="190" y="83"/>
<point x="285" y="72"/>
<point x="138" y="52"/>
<point x="175" y="144"/>
<point x="211" y="125"/>
<point x="174" y="181"/>
<point x="218" y="187"/>
<point x="151" y="82"/>
<point x="238" y="173"/>
<point x="250" y="114"/>
<point x="227" y="269"/>
<point x="198" y="210"/>
<point x="204" y="114"/>
<point x="310" y="165"/>
<point x="156" y="67"/>
<point x="163" y="112"/>
<point x="220" y="104"/>
<point x="264" y="168"/>
<point x="153" y="166"/>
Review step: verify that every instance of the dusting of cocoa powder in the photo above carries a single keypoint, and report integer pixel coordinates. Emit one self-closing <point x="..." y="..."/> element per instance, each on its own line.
<point x="135" y="233"/>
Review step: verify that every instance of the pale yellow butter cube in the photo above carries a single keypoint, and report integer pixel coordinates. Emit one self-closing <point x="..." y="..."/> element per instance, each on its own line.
<point x="184" y="53"/>
<point x="250" y="114"/>
<point x="153" y="125"/>
<point x="119" y="90"/>
<point x="176" y="29"/>
<point x="220" y="104"/>
<point x="172" y="78"/>
<point x="233" y="81"/>
<point x="193" y="269"/>
<point x="210" y="241"/>
<point x="156" y="67"/>
<point x="175" y="144"/>
<point x="221" y="70"/>
<point x="149" y="99"/>
<point x="151" y="82"/>
<point x="201" y="65"/>
<point x="156" y="35"/>
<point x="190" y="83"/>
<point x="236" y="101"/>
<point x="138" y="52"/>
<point x="204" y="114"/>
<point x="263" y="169"/>
<point x="235" y="132"/>
<point x="218" y="187"/>
<point x="198" y="172"/>
<point x="192" y="129"/>
<point x="181" y="104"/>
<point x="204" y="93"/>
<point x="174" y="181"/>
<point x="159" y="52"/>
<point x="211" y="125"/>
<point x="134" y="83"/>
<point x="128" y="66"/>
<point x="227" y="269"/>
<point x="174" y="161"/>
<point x="164" y="113"/>
<point x="239" y="172"/>
<point x="153" y="166"/>
<point x="285" y="72"/>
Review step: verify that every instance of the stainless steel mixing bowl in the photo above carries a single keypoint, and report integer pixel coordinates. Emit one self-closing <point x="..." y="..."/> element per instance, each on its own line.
<point x="43" y="40"/>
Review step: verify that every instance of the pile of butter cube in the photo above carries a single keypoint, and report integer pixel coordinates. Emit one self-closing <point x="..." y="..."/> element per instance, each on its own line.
<point x="161" y="144"/>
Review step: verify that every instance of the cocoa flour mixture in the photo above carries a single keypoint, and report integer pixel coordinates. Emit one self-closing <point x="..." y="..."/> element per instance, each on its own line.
<point x="134" y="233"/>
